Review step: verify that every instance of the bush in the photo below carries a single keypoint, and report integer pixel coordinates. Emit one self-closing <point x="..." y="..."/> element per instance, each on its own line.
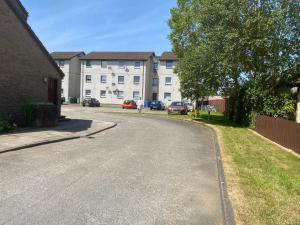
<point x="6" y="127"/>
<point x="27" y="111"/>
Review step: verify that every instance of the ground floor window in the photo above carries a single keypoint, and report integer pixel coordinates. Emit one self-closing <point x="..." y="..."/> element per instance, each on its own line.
<point x="154" y="96"/>
<point x="88" y="93"/>
<point x="120" y="94"/>
<point x="167" y="96"/>
<point x="136" y="94"/>
<point x="102" y="93"/>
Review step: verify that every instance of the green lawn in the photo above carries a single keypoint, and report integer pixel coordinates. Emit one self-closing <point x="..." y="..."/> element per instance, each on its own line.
<point x="263" y="179"/>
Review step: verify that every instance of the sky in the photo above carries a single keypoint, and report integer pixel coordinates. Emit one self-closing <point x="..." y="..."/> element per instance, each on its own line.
<point x="101" y="25"/>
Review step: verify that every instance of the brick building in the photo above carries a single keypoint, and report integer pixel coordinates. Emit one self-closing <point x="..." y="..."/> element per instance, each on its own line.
<point x="27" y="71"/>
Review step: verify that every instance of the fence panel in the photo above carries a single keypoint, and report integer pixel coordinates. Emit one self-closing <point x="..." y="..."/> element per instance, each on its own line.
<point x="281" y="131"/>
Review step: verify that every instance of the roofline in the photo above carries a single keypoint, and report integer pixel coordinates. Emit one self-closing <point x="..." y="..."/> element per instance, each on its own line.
<point x="152" y="55"/>
<point x="22" y="7"/>
<point x="67" y="58"/>
<point x="36" y="39"/>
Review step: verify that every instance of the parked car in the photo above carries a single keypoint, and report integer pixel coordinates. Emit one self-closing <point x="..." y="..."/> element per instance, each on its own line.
<point x="91" y="102"/>
<point x="178" y="107"/>
<point x="159" y="105"/>
<point x="63" y="100"/>
<point x="129" y="104"/>
<point x="189" y="106"/>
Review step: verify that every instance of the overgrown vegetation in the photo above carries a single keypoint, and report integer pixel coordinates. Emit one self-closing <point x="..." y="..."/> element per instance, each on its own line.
<point x="263" y="180"/>
<point x="6" y="126"/>
<point x="248" y="50"/>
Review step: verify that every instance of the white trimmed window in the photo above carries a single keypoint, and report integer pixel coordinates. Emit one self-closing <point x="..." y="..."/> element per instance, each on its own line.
<point x="103" y="79"/>
<point x="88" y="78"/>
<point x="61" y="63"/>
<point x="136" y="79"/>
<point x="121" y="79"/>
<point x="169" y="64"/>
<point x="120" y="94"/>
<point x="167" y="96"/>
<point x="103" y="64"/>
<point x="121" y="64"/>
<point x="88" y="93"/>
<point x="137" y="65"/>
<point x="168" y="80"/>
<point x="136" y="94"/>
<point x="88" y="63"/>
<point x="103" y="94"/>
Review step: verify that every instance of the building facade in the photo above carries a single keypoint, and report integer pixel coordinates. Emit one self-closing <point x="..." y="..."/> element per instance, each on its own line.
<point x="169" y="84"/>
<point x="69" y="63"/>
<point x="113" y="77"/>
<point x="27" y="71"/>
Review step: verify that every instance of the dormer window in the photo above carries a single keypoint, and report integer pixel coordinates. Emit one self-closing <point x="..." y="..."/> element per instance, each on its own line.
<point x="169" y="64"/>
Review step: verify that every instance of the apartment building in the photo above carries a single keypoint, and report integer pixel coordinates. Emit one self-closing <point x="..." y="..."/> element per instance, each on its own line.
<point x="113" y="77"/>
<point x="167" y="81"/>
<point x="69" y="63"/>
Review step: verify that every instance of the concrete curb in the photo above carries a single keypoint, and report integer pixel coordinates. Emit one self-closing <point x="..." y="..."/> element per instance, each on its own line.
<point x="55" y="140"/>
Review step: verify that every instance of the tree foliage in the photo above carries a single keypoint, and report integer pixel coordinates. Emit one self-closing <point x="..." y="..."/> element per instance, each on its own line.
<point x="230" y="45"/>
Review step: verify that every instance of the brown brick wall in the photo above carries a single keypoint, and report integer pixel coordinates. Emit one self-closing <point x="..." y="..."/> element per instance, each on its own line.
<point x="23" y="65"/>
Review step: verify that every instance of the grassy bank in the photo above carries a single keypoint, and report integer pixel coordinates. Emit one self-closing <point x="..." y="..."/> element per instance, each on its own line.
<point x="263" y="180"/>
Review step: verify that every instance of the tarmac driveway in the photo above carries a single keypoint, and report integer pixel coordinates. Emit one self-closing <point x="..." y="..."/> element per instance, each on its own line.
<point x="144" y="171"/>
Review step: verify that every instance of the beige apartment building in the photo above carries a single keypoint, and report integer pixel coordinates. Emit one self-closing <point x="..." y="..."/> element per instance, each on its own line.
<point x="113" y="77"/>
<point x="69" y="63"/>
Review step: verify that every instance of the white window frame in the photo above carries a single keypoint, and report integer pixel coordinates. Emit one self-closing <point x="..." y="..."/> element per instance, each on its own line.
<point x="134" y="92"/>
<point x="103" y="82"/>
<point x="169" y="61"/>
<point x="121" y="64"/>
<point x="168" y="83"/>
<point x="118" y="94"/>
<point x="88" y="63"/>
<point x="139" y="77"/>
<point x="86" y="80"/>
<point x="123" y="79"/>
<point x="88" y="95"/>
<point x="170" y="94"/>
<point x="103" y="64"/>
<point x="103" y="91"/>
<point x="137" y="67"/>
<point x="61" y="63"/>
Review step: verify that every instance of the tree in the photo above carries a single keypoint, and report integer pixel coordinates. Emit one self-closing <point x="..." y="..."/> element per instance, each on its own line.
<point x="234" y="45"/>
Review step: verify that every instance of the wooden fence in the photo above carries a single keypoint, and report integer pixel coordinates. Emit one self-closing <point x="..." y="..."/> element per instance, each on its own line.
<point x="281" y="131"/>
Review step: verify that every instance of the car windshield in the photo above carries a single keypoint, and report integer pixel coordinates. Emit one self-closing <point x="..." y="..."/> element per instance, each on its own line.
<point x="177" y="104"/>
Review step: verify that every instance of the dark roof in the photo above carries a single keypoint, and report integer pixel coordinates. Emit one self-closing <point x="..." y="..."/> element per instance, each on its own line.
<point x="65" y="55"/>
<point x="35" y="38"/>
<point x="168" y="56"/>
<point x="118" y="55"/>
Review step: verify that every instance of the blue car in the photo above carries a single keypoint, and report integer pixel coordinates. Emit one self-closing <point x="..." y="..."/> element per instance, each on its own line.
<point x="158" y="105"/>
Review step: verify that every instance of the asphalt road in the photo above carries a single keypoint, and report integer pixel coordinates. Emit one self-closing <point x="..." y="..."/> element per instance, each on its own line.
<point x="144" y="171"/>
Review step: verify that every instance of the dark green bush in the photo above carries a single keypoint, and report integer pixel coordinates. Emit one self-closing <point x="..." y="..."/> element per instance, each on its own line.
<point x="6" y="127"/>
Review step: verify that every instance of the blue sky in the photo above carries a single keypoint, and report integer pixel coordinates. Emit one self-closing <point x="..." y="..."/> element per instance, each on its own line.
<point x="101" y="25"/>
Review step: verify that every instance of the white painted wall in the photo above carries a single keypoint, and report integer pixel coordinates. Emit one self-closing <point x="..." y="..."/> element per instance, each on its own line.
<point x="164" y="72"/>
<point x="112" y="71"/>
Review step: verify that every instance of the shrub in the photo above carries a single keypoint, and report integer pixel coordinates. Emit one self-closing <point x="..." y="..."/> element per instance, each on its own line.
<point x="6" y="127"/>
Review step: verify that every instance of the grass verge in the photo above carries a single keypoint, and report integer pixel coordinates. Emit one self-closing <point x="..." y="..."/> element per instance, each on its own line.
<point x="263" y="180"/>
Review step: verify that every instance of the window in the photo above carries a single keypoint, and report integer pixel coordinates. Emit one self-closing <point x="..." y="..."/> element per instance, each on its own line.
<point x="167" y="96"/>
<point x="168" y="80"/>
<point x="136" y="79"/>
<point x="88" y="78"/>
<point x="137" y="65"/>
<point x="62" y="91"/>
<point x="102" y="94"/>
<point x="103" y="64"/>
<point x="88" y="93"/>
<point x="121" y="65"/>
<point x="155" y="82"/>
<point x="88" y="63"/>
<point x="169" y="64"/>
<point x="136" y="94"/>
<point x="120" y="94"/>
<point x="120" y="79"/>
<point x="103" y="79"/>
<point x="61" y="63"/>
<point x="155" y="66"/>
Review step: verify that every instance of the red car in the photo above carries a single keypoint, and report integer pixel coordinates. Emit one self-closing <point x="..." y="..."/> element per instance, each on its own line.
<point x="129" y="104"/>
<point x="178" y="107"/>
